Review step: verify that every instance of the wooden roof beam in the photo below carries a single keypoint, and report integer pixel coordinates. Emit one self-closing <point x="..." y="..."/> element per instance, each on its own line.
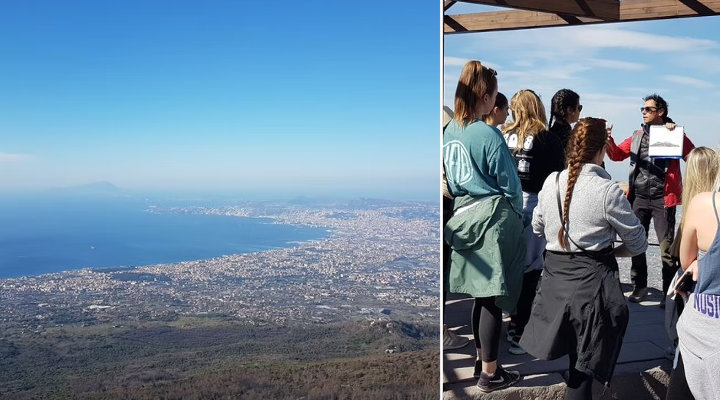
<point x="506" y="20"/>
<point x="599" y="9"/>
<point x="630" y="10"/>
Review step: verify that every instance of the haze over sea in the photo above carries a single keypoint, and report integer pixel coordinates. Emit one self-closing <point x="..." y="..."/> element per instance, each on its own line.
<point x="46" y="234"/>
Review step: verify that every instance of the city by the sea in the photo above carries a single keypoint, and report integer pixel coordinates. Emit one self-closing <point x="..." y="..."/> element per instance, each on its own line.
<point x="40" y="235"/>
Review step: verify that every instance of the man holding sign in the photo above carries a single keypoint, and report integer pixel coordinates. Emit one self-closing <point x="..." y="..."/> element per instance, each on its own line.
<point x="654" y="188"/>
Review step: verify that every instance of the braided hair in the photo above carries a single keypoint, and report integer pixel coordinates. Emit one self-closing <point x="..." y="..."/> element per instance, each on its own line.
<point x="586" y="140"/>
<point x="561" y="101"/>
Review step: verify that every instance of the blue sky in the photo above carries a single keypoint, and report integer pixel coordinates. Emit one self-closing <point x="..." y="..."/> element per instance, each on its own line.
<point x="611" y="66"/>
<point x="276" y="97"/>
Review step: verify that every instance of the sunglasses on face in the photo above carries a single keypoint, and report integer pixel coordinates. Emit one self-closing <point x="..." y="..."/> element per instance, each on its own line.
<point x="579" y="107"/>
<point x="648" y="109"/>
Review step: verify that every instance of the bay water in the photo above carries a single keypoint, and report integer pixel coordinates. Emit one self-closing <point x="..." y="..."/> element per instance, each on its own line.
<point x="44" y="235"/>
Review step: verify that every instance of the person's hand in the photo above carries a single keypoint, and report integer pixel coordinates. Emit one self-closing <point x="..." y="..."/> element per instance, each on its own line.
<point x="693" y="267"/>
<point x="691" y="271"/>
<point x="670" y="126"/>
<point x="608" y="129"/>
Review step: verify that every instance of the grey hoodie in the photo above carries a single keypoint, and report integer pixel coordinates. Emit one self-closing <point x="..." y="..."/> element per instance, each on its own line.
<point x="598" y="212"/>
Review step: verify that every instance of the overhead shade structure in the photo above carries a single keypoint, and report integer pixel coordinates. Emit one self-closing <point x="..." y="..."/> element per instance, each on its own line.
<point x="526" y="14"/>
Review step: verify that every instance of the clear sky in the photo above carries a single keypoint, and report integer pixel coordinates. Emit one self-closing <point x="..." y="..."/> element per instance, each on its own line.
<point x="611" y="66"/>
<point x="278" y="97"/>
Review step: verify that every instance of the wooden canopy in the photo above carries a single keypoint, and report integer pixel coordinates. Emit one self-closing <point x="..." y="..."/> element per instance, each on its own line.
<point x="527" y="14"/>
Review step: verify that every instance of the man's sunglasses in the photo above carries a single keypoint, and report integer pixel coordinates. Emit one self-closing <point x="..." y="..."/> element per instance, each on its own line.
<point x="648" y="109"/>
<point x="579" y="107"/>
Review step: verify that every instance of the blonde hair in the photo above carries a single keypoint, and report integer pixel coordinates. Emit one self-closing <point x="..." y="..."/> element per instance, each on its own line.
<point x="701" y="172"/>
<point x="475" y="81"/>
<point x="716" y="186"/>
<point x="528" y="116"/>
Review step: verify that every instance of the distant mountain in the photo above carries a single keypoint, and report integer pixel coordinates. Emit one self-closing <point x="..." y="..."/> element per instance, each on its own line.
<point x="102" y="186"/>
<point x="95" y="188"/>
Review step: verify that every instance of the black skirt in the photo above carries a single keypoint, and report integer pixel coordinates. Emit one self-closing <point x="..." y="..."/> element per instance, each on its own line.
<point x="579" y="306"/>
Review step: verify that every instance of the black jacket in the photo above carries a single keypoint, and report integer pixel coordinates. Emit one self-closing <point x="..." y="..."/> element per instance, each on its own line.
<point x="539" y="156"/>
<point x="579" y="307"/>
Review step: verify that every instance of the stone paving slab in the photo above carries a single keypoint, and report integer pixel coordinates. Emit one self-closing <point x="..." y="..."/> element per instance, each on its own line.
<point x="654" y="331"/>
<point x="640" y="351"/>
<point x="544" y="386"/>
<point x="641" y="372"/>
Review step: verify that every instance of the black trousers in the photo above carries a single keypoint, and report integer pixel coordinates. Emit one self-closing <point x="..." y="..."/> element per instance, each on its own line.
<point x="677" y="387"/>
<point x="579" y="385"/>
<point x="524" y="306"/>
<point x="664" y="220"/>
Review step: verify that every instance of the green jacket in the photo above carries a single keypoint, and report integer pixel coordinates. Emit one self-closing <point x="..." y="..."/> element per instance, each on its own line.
<point x="478" y="164"/>
<point x="488" y="250"/>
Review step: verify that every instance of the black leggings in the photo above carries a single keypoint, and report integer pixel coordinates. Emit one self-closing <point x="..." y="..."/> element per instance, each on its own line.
<point x="579" y="385"/>
<point x="486" y="324"/>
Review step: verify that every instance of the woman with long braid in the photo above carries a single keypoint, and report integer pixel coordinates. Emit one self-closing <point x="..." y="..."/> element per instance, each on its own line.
<point x="485" y="229"/>
<point x="580" y="309"/>
<point x="565" y="109"/>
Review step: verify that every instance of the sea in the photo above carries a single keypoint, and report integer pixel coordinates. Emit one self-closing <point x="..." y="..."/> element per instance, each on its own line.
<point x="40" y="235"/>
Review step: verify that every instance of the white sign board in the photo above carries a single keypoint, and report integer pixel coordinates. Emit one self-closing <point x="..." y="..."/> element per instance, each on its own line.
<point x="665" y="143"/>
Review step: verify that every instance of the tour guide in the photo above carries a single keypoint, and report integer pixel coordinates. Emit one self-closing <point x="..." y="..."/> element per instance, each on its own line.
<point x="654" y="189"/>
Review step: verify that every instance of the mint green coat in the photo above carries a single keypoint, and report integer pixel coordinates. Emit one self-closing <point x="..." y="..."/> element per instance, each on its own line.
<point x="488" y="250"/>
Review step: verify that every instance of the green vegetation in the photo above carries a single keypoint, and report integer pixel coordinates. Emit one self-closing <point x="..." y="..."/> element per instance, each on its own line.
<point x="218" y="358"/>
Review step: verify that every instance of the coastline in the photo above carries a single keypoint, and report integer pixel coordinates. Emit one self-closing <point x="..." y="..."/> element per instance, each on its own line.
<point x="140" y="240"/>
<point x="351" y="273"/>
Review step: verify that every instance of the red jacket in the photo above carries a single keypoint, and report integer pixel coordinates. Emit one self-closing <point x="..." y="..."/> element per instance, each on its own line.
<point x="673" y="178"/>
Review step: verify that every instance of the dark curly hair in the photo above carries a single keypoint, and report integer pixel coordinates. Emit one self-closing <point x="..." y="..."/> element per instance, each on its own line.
<point x="660" y="103"/>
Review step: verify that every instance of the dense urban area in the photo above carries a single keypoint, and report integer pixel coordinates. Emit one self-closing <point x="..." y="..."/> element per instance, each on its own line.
<point x="376" y="262"/>
<point x="354" y="315"/>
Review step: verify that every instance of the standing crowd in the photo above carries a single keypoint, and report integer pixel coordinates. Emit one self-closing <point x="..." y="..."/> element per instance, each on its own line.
<point x="533" y="226"/>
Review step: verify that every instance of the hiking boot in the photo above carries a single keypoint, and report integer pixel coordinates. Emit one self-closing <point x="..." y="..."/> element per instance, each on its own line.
<point x="515" y="347"/>
<point x="638" y="295"/>
<point x="451" y="341"/>
<point x="500" y="380"/>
